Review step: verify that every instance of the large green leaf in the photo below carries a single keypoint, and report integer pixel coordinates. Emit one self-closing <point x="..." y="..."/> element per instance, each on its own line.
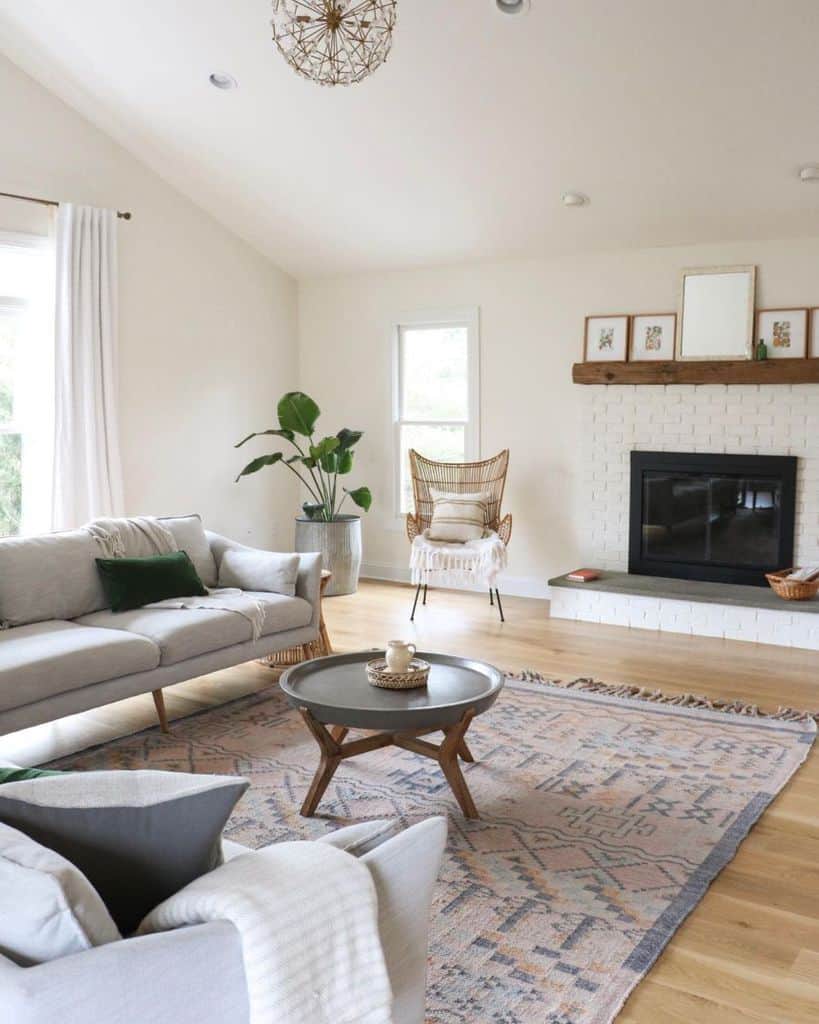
<point x="362" y="497"/>
<point x="260" y="463"/>
<point x="344" y="461"/>
<point x="328" y="462"/>
<point x="298" y="412"/>
<point x="326" y="446"/>
<point x="347" y="438"/>
<point x="288" y="434"/>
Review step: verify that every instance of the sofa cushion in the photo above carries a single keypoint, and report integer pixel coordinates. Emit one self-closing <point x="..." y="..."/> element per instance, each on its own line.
<point x="189" y="534"/>
<point x="282" y="613"/>
<point x="45" y="658"/>
<point x="179" y="633"/>
<point x="48" y="577"/>
<point x="48" y="908"/>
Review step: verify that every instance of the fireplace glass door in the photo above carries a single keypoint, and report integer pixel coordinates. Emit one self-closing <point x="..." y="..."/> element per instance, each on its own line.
<point x="716" y="522"/>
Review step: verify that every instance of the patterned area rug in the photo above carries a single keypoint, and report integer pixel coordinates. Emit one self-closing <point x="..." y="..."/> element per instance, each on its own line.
<point x="604" y="820"/>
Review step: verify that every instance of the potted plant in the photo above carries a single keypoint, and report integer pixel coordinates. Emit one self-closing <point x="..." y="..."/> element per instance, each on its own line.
<point x="318" y="464"/>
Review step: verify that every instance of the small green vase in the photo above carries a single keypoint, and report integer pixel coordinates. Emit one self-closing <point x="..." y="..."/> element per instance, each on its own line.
<point x="761" y="350"/>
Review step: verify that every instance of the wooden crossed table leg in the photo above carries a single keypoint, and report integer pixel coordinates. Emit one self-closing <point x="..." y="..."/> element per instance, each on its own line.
<point x="334" y="750"/>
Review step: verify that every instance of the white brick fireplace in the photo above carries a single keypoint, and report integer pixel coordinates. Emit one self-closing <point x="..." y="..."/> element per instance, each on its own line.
<point x="720" y="418"/>
<point x="713" y="418"/>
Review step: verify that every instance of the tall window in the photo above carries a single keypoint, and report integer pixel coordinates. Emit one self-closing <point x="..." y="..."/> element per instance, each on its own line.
<point x="26" y="383"/>
<point x="435" y="394"/>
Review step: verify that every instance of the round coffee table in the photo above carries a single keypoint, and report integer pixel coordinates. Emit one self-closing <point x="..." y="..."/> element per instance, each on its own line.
<point x="334" y="691"/>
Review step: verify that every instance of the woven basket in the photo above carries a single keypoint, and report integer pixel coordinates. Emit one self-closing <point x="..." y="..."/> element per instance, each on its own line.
<point x="379" y="675"/>
<point x="791" y="590"/>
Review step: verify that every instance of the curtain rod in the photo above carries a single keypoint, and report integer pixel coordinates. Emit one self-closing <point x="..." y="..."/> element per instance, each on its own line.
<point x="122" y="214"/>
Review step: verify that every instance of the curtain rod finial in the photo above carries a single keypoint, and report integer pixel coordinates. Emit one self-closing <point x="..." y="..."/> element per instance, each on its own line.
<point x="124" y="214"/>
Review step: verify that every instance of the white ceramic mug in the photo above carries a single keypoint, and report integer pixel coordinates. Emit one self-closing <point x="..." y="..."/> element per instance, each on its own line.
<point x="399" y="655"/>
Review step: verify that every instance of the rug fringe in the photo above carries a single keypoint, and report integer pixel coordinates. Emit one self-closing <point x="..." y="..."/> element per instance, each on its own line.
<point x="683" y="700"/>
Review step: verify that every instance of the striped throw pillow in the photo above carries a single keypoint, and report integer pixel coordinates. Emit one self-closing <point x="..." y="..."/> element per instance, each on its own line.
<point x="457" y="517"/>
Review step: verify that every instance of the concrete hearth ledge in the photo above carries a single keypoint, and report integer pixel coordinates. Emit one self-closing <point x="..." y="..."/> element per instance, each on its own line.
<point x="688" y="590"/>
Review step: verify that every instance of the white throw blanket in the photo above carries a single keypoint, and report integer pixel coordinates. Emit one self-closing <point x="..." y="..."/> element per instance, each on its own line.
<point x="225" y="599"/>
<point x="122" y="538"/>
<point x="308" y="919"/>
<point x="132" y="536"/>
<point x="449" y="564"/>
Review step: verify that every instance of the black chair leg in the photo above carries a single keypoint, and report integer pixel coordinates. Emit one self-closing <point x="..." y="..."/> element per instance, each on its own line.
<point x="425" y="595"/>
<point x="415" y="602"/>
<point x="491" y="598"/>
<point x="500" y="606"/>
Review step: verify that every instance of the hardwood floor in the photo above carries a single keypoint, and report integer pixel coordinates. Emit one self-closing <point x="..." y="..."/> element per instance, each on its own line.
<point x="750" y="950"/>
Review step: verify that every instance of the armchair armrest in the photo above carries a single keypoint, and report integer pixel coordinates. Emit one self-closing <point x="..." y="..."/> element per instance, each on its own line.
<point x="413" y="526"/>
<point x="505" y="528"/>
<point x="188" y="976"/>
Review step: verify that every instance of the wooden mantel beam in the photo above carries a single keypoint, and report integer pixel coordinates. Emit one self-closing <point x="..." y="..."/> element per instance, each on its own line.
<point x="767" y="371"/>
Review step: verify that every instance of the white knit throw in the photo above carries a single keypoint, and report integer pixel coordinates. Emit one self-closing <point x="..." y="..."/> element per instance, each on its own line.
<point x="450" y="565"/>
<point x="119" y="538"/>
<point x="307" y="917"/>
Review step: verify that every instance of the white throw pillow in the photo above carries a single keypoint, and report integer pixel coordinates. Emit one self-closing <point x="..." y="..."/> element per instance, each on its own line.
<point x="48" y="908"/>
<point x="266" y="571"/>
<point x="457" y="517"/>
<point x="189" y="534"/>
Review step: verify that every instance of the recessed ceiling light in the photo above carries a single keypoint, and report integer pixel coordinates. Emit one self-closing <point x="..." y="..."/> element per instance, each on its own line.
<point x="222" y="80"/>
<point x="513" y="6"/>
<point x="574" y="199"/>
<point x="809" y="173"/>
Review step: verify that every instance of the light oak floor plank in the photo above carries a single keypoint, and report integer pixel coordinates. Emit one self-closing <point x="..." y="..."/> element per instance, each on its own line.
<point x="750" y="950"/>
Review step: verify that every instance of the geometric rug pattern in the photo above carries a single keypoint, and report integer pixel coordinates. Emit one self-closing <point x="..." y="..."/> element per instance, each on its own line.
<point x="603" y="821"/>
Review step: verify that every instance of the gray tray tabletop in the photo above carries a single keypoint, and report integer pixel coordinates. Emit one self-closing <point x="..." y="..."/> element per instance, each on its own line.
<point x="336" y="691"/>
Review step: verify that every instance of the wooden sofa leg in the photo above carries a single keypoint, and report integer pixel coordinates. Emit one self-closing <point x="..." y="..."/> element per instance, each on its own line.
<point x="159" y="703"/>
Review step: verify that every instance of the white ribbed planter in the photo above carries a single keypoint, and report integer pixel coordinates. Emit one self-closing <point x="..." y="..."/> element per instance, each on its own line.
<point x="339" y="542"/>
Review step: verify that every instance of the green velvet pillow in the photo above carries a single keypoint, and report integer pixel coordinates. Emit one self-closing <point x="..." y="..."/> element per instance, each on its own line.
<point x="24" y="774"/>
<point x="134" y="582"/>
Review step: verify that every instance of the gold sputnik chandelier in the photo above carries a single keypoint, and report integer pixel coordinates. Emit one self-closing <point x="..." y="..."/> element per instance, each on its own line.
<point x="334" y="42"/>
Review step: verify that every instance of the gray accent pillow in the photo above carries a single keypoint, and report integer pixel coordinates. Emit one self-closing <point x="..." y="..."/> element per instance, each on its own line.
<point x="138" y="837"/>
<point x="189" y="534"/>
<point x="256" y="570"/>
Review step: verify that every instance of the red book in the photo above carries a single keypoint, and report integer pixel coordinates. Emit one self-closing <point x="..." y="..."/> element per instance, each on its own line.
<point x="583" y="575"/>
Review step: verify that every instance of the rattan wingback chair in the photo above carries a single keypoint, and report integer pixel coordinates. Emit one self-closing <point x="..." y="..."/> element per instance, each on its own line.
<point x="488" y="476"/>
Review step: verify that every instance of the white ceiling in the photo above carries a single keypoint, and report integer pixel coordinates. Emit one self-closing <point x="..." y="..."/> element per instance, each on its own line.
<point x="684" y="122"/>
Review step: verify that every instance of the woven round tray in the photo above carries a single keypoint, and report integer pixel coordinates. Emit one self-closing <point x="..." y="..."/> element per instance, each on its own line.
<point x="379" y="675"/>
<point x="791" y="590"/>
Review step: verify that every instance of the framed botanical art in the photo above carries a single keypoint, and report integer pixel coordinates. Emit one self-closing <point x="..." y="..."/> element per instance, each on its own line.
<point x="652" y="336"/>
<point x="813" y="342"/>
<point x="606" y="338"/>
<point x="784" y="331"/>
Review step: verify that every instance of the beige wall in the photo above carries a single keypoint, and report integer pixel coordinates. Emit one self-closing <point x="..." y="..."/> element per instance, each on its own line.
<point x="207" y="324"/>
<point x="531" y="332"/>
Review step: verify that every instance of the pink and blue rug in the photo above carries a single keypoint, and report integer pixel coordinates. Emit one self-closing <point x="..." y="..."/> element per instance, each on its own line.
<point x="604" y="820"/>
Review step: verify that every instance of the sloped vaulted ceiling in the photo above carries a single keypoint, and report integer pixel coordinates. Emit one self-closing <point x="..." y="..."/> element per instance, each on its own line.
<point x="683" y="122"/>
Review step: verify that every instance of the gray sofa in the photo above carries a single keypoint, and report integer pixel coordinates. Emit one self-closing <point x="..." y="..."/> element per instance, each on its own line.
<point x="195" y="975"/>
<point x="63" y="651"/>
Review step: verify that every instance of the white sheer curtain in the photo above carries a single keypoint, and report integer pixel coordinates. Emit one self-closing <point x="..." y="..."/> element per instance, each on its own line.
<point x="87" y="471"/>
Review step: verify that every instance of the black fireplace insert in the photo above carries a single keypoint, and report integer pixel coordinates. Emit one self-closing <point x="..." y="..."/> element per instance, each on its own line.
<point x="721" y="518"/>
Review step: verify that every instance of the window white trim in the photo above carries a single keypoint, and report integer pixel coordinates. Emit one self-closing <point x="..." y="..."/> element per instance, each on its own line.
<point x="468" y="317"/>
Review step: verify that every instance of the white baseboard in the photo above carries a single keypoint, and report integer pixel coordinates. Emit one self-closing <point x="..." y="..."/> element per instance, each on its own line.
<point x="515" y="586"/>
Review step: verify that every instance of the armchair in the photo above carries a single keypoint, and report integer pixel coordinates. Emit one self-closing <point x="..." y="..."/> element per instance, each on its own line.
<point x="487" y="477"/>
